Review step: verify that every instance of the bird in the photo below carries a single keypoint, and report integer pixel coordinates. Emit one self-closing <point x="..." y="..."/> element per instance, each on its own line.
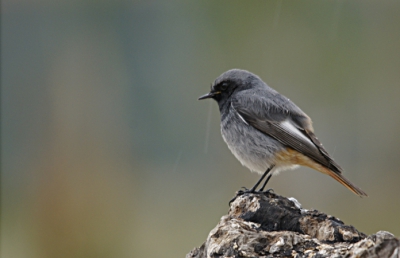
<point x="266" y="131"/>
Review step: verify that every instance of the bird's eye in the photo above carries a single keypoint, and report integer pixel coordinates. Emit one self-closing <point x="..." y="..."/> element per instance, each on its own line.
<point x="224" y="86"/>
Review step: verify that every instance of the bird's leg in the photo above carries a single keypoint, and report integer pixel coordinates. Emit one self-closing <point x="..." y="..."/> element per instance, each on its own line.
<point x="253" y="189"/>
<point x="265" y="183"/>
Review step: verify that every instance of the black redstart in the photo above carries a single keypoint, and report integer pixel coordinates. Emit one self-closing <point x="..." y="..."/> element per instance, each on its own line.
<point x="266" y="131"/>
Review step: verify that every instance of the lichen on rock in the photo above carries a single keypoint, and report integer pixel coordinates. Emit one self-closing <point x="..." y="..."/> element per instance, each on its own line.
<point x="269" y="225"/>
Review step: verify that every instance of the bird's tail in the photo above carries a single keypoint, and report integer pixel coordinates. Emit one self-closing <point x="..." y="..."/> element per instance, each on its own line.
<point x="344" y="181"/>
<point x="335" y="172"/>
<point x="295" y="157"/>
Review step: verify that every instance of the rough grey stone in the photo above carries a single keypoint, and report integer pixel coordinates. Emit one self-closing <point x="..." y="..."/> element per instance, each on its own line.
<point x="269" y="225"/>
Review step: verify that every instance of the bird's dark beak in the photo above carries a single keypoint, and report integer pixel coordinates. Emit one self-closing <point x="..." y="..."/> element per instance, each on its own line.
<point x="209" y="95"/>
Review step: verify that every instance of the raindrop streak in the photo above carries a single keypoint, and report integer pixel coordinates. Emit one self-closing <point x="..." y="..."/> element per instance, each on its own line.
<point x="178" y="159"/>
<point x="208" y="127"/>
<point x="333" y="153"/>
<point x="278" y="9"/>
<point x="277" y="13"/>
<point x="335" y="19"/>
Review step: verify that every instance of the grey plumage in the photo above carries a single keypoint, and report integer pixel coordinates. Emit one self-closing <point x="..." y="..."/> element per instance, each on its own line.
<point x="263" y="128"/>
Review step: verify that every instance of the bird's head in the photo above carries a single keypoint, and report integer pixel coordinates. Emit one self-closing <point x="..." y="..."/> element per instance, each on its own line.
<point x="230" y="82"/>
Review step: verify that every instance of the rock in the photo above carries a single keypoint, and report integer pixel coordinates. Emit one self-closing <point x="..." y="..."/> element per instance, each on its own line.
<point x="269" y="225"/>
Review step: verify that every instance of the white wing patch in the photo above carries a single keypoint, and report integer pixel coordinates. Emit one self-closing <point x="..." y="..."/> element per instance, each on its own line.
<point x="292" y="129"/>
<point x="237" y="113"/>
<point x="244" y="121"/>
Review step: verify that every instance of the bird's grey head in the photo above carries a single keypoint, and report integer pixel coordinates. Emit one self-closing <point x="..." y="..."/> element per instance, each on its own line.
<point x="230" y="82"/>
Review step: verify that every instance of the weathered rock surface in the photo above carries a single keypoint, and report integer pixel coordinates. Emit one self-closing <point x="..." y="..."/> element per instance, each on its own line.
<point x="269" y="225"/>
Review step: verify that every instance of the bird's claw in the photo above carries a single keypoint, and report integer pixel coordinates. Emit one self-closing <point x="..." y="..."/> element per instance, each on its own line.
<point x="268" y="191"/>
<point x="239" y="193"/>
<point x="246" y="190"/>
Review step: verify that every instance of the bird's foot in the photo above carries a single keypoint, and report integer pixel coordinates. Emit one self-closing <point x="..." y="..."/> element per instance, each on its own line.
<point x="267" y="191"/>
<point x="241" y="192"/>
<point x="246" y="190"/>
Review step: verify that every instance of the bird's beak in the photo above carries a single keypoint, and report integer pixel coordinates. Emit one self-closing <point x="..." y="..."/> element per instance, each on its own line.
<point x="209" y="95"/>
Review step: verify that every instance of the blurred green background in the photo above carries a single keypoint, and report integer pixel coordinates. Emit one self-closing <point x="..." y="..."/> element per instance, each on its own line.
<point x="106" y="151"/>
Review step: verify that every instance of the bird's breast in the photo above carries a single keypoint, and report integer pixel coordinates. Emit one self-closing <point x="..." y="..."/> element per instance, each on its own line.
<point x="252" y="148"/>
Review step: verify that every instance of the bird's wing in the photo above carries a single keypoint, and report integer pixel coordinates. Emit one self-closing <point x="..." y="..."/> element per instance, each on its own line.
<point x="281" y="119"/>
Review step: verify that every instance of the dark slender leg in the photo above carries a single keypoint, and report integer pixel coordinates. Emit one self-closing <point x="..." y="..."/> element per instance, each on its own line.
<point x="253" y="189"/>
<point x="265" y="182"/>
